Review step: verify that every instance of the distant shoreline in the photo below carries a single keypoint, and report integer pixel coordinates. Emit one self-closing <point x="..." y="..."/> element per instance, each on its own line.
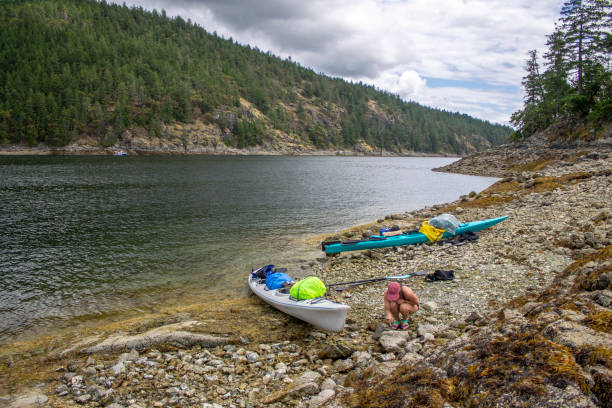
<point x="78" y="150"/>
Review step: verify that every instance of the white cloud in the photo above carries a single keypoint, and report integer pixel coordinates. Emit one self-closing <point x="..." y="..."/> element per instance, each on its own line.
<point x="394" y="44"/>
<point x="407" y="84"/>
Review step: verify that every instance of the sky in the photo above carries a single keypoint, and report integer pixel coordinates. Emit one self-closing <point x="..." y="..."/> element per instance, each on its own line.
<point x="463" y="56"/>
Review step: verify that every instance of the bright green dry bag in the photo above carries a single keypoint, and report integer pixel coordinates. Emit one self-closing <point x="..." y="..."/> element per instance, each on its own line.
<point x="308" y="288"/>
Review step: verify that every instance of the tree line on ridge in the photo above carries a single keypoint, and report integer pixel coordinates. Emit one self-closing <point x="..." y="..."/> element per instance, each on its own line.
<point x="70" y="68"/>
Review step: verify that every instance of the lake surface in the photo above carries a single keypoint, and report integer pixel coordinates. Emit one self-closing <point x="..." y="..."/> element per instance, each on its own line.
<point x="86" y="236"/>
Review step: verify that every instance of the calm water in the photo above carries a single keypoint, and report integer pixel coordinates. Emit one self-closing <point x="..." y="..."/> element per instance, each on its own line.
<point x="86" y="236"/>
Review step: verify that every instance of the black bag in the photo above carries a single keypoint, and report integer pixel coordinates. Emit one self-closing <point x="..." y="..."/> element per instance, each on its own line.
<point x="468" y="236"/>
<point x="440" y="275"/>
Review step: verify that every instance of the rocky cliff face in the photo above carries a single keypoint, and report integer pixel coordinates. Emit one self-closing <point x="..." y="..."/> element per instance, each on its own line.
<point x="214" y="133"/>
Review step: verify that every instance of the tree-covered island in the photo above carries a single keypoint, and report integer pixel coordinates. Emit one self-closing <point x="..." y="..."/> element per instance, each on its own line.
<point x="105" y="74"/>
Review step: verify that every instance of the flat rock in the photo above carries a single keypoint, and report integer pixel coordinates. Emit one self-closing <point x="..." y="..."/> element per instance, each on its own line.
<point x="302" y="389"/>
<point x="322" y="398"/>
<point x="393" y="341"/>
<point x="425" y="328"/>
<point x="79" y="345"/>
<point x="173" y="335"/>
<point x="412" y="358"/>
<point x="575" y="336"/>
<point x="342" y="366"/>
<point x="335" y="351"/>
<point x="29" y="400"/>
<point x="428" y="306"/>
<point x="328" y="384"/>
<point x="309" y="376"/>
<point x="384" y="370"/>
<point x="118" y="368"/>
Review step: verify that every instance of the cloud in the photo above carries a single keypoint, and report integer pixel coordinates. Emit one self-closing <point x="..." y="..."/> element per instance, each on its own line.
<point x="394" y="44"/>
<point x="408" y="84"/>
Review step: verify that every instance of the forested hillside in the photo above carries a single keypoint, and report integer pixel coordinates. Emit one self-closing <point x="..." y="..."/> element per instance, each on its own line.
<point x="80" y="69"/>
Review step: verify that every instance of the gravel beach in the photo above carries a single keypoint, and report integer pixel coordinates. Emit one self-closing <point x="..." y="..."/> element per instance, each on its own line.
<point x="540" y="279"/>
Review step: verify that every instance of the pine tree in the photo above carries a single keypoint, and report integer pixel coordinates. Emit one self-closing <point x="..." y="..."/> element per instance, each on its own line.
<point x="556" y="77"/>
<point x="532" y="82"/>
<point x="576" y="82"/>
<point x="584" y="24"/>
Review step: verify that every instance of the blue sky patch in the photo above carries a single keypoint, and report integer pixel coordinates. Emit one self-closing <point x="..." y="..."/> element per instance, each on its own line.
<point x="469" y="84"/>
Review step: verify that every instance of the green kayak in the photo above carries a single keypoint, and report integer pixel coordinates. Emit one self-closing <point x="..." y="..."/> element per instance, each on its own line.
<point x="379" y="241"/>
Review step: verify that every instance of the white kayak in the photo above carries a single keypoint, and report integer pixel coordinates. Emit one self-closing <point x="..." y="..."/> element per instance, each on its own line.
<point x="320" y="312"/>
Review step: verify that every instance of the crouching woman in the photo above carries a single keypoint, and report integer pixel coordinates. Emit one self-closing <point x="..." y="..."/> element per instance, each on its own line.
<point x="400" y="302"/>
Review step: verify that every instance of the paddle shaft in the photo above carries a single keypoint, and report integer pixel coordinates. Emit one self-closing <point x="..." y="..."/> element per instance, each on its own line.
<point x="368" y="280"/>
<point x="339" y="287"/>
<point x="352" y="285"/>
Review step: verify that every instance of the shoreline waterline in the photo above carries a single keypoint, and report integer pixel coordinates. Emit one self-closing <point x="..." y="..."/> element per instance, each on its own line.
<point x="291" y="238"/>
<point x="77" y="150"/>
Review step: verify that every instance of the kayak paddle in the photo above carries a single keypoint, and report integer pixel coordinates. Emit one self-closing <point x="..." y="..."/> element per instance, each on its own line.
<point x="345" y="285"/>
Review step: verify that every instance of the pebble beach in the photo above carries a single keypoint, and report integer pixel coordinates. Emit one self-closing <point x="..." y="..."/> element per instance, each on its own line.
<point x="541" y="277"/>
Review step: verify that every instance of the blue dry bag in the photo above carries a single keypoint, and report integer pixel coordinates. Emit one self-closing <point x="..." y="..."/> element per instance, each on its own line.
<point x="275" y="280"/>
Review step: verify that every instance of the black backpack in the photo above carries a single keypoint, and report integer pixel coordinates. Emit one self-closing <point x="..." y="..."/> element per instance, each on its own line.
<point x="440" y="275"/>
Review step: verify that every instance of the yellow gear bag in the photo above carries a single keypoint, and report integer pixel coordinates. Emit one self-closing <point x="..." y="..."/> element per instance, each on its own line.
<point x="432" y="233"/>
<point x="308" y="288"/>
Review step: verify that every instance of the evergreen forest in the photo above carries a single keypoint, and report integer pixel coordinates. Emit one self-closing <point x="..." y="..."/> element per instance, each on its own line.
<point x="81" y="68"/>
<point x="572" y="83"/>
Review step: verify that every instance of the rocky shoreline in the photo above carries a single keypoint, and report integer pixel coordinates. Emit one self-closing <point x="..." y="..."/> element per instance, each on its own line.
<point x="219" y="149"/>
<point x="526" y="322"/>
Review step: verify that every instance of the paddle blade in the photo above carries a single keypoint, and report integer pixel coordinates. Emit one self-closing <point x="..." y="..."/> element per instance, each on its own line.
<point x="398" y="277"/>
<point x="419" y="273"/>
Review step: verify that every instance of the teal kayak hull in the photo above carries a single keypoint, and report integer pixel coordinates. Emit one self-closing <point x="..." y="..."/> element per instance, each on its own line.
<point x="378" y="241"/>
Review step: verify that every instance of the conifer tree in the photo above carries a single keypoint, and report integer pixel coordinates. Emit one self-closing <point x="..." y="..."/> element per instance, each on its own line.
<point x="583" y="24"/>
<point x="576" y="84"/>
<point x="555" y="79"/>
<point x="532" y="82"/>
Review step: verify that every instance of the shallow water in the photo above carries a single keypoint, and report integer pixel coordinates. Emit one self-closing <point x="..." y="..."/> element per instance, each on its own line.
<point x="87" y="236"/>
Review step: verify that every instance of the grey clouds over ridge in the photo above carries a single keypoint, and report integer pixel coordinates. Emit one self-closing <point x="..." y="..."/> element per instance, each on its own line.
<point x="457" y="55"/>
